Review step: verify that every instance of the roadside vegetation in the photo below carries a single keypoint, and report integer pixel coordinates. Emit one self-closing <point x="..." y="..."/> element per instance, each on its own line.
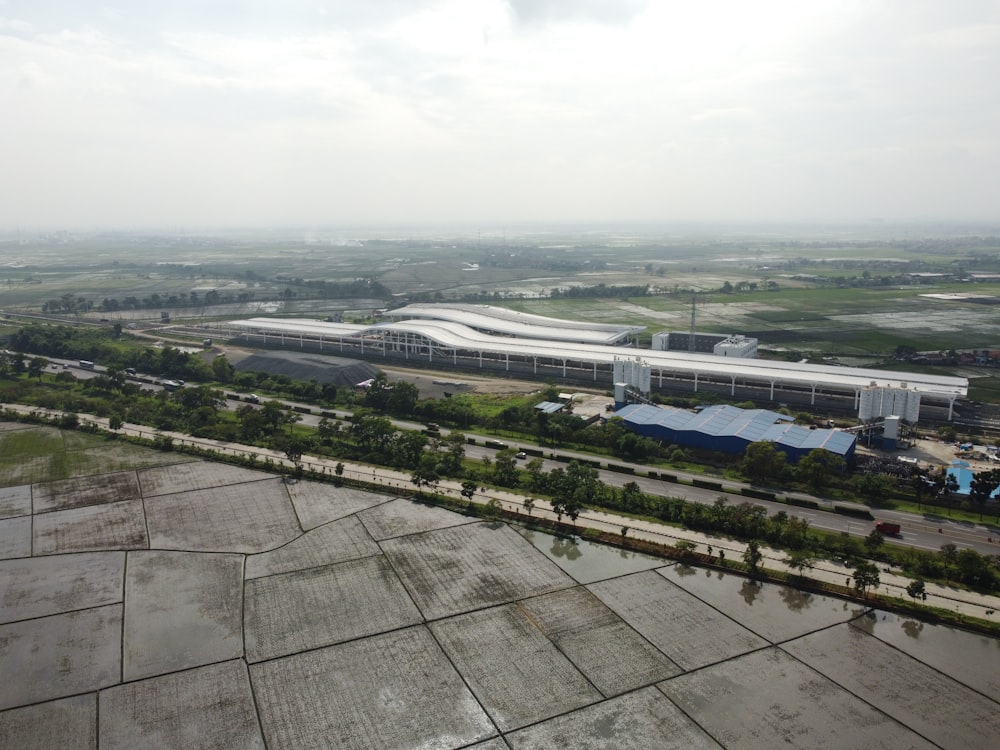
<point x="370" y="436"/>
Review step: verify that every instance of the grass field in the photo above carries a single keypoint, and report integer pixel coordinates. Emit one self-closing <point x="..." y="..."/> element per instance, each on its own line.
<point x="838" y="292"/>
<point x="30" y="454"/>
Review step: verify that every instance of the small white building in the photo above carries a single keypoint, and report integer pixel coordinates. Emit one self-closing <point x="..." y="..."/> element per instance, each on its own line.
<point x="739" y="346"/>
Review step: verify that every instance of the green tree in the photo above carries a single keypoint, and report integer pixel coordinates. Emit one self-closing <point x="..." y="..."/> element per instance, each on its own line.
<point x="874" y="542"/>
<point x="36" y="366"/>
<point x="426" y="473"/>
<point x="273" y="414"/>
<point x="408" y="448"/>
<point x="872" y="486"/>
<point x="800" y="560"/>
<point x="573" y="488"/>
<point x="378" y="393"/>
<point x="329" y="393"/>
<point x="973" y="568"/>
<point x="536" y="474"/>
<point x="374" y="434"/>
<point x="454" y="452"/>
<point x="327" y="430"/>
<point x="402" y="398"/>
<point x="752" y="557"/>
<point x="763" y="461"/>
<point x="917" y="589"/>
<point x="505" y="472"/>
<point x="529" y="504"/>
<point x="982" y="487"/>
<point x="865" y="577"/>
<point x="469" y="488"/>
<point x="252" y="424"/>
<point x="221" y="369"/>
<point x="293" y="449"/>
<point x="632" y="497"/>
<point x="949" y="552"/>
<point x="817" y="467"/>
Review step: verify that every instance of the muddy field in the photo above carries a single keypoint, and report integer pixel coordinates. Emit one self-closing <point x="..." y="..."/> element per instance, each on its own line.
<point x="257" y="614"/>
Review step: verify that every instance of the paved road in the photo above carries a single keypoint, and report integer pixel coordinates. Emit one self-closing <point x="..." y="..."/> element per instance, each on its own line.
<point x="928" y="532"/>
<point x="957" y="600"/>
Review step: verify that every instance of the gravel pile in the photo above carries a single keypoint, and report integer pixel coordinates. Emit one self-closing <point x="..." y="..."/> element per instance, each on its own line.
<point x="304" y="366"/>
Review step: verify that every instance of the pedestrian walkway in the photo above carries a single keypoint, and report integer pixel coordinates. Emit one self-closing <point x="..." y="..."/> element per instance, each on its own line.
<point x="960" y="601"/>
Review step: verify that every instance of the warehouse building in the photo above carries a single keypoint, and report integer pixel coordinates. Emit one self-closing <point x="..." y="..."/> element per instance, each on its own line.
<point x="729" y="429"/>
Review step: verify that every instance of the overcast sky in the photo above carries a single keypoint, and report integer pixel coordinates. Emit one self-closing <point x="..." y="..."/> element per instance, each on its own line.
<point x="188" y="113"/>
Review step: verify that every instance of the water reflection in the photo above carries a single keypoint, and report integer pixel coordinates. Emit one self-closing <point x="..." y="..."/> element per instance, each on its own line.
<point x="684" y="570"/>
<point x="588" y="561"/>
<point x="750" y="590"/>
<point x="795" y="599"/>
<point x="565" y="547"/>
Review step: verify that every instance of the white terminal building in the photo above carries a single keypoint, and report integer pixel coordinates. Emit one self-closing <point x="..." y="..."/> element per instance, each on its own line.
<point x="481" y="337"/>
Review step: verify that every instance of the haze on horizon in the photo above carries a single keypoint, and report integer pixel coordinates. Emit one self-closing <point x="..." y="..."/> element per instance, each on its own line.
<point x="265" y="113"/>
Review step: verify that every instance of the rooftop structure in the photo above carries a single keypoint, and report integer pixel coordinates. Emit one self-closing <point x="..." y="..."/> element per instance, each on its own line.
<point x="736" y="346"/>
<point x="729" y="429"/>
<point x="504" y="322"/>
<point x="443" y="343"/>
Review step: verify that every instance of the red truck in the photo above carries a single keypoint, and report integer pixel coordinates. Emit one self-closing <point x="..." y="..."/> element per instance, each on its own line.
<point x="886" y="528"/>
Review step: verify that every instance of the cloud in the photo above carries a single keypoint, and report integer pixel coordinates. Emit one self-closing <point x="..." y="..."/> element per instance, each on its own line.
<point x="614" y="12"/>
<point x="316" y="111"/>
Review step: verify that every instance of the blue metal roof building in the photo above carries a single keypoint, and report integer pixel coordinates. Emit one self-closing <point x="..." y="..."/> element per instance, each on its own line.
<point x="729" y="429"/>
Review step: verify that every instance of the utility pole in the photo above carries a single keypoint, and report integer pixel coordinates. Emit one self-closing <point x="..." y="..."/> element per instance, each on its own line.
<point x="694" y="297"/>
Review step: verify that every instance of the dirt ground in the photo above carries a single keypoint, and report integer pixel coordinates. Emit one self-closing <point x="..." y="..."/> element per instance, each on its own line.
<point x="933" y="453"/>
<point x="435" y="384"/>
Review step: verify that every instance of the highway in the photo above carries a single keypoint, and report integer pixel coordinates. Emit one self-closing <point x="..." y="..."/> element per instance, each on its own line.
<point x="926" y="532"/>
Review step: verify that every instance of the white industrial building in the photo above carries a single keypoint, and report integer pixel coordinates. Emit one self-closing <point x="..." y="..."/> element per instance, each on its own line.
<point x="878" y="402"/>
<point x="736" y="346"/>
<point x="452" y="342"/>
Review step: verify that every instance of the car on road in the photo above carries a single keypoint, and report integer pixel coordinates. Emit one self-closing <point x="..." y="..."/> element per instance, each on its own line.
<point x="522" y="455"/>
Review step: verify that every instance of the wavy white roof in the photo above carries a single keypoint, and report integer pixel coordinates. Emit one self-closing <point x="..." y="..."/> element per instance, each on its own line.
<point x="506" y="322"/>
<point x="451" y="335"/>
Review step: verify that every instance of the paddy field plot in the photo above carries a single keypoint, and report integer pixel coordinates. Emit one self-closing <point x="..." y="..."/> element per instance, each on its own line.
<point x="768" y="699"/>
<point x="303" y="615"/>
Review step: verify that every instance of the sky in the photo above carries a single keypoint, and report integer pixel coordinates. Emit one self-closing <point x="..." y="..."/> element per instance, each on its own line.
<point x="261" y="113"/>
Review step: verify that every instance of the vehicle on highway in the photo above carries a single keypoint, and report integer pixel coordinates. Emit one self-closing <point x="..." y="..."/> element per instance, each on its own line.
<point x="86" y="364"/>
<point x="252" y="398"/>
<point x="522" y="455"/>
<point x="887" y="529"/>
